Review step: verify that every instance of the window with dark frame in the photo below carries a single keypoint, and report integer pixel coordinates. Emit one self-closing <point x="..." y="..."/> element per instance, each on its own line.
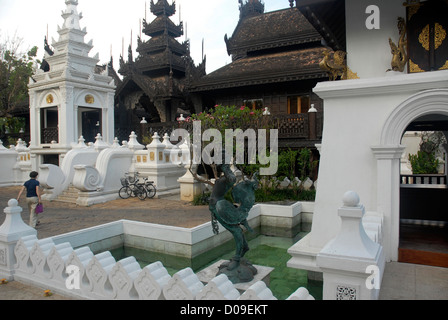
<point x="254" y="104"/>
<point x="298" y="104"/>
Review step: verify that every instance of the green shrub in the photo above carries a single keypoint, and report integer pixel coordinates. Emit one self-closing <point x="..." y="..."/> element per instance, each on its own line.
<point x="265" y="195"/>
<point x="201" y="199"/>
<point x="273" y="195"/>
<point x="424" y="163"/>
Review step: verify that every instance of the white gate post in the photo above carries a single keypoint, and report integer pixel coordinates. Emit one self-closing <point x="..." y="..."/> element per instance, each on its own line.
<point x="349" y="259"/>
<point x="10" y="233"/>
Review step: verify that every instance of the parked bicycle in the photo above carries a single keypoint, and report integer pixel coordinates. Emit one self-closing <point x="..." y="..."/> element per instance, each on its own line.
<point x="150" y="188"/>
<point x="131" y="187"/>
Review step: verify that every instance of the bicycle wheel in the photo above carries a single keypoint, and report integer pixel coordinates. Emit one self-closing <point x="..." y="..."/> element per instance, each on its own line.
<point x="140" y="192"/>
<point x="151" y="190"/>
<point x="133" y="190"/>
<point x="124" y="192"/>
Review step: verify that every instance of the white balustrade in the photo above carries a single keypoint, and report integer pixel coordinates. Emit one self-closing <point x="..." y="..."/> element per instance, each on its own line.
<point x="101" y="277"/>
<point x="301" y="294"/>
<point x="219" y="288"/>
<point x="38" y="254"/>
<point x="80" y="258"/>
<point x="98" y="271"/>
<point x="150" y="282"/>
<point x="122" y="278"/>
<point x="81" y="274"/>
<point x="184" y="285"/>
<point x="258" y="291"/>
<point x="56" y="260"/>
<point x="22" y="252"/>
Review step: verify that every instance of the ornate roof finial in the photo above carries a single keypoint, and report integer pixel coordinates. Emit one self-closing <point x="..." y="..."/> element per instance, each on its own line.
<point x="71" y="15"/>
<point x="251" y="8"/>
<point x="162" y="7"/>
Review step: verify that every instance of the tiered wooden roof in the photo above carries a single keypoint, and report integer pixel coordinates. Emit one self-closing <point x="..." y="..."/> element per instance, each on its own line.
<point x="164" y="65"/>
<point x="273" y="47"/>
<point x="328" y="17"/>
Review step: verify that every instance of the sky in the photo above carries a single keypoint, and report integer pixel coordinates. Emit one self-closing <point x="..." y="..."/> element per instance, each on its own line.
<point x="111" y="23"/>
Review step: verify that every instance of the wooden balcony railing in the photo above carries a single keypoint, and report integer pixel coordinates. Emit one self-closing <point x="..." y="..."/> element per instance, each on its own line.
<point x="292" y="126"/>
<point x="305" y="126"/>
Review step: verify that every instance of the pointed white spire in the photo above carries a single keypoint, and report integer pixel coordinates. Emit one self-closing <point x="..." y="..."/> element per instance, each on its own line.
<point x="71" y="15"/>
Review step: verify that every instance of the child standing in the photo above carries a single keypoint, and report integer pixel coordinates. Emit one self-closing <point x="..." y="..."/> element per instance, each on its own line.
<point x="32" y="197"/>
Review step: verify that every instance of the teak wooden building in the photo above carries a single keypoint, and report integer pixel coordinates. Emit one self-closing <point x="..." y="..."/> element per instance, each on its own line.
<point x="275" y="64"/>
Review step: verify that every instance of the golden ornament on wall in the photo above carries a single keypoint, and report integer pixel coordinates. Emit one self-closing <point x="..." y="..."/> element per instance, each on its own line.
<point x="445" y="66"/>
<point x="439" y="36"/>
<point x="90" y="99"/>
<point x="413" y="67"/>
<point x="334" y="64"/>
<point x="399" y="52"/>
<point x="50" y="99"/>
<point x="423" y="38"/>
<point x="351" y="75"/>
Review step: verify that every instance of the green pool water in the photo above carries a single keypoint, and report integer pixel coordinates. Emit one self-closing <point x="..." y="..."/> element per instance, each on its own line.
<point x="264" y="250"/>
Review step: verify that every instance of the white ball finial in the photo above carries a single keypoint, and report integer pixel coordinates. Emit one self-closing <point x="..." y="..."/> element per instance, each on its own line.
<point x="13" y="203"/>
<point x="350" y="199"/>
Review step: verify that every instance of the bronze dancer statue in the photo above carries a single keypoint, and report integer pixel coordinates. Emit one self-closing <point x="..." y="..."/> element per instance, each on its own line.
<point x="232" y="217"/>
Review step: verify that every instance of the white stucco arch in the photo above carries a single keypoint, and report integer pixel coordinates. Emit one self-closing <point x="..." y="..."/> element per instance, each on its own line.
<point x="420" y="104"/>
<point x="42" y="98"/>
<point x="388" y="155"/>
<point x="98" y="102"/>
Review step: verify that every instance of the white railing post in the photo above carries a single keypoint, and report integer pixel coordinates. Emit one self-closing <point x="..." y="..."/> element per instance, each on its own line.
<point x="352" y="263"/>
<point x="11" y="231"/>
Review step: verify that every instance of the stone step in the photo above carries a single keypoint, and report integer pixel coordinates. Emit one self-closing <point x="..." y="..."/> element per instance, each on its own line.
<point x="70" y="195"/>
<point x="65" y="200"/>
<point x="65" y="196"/>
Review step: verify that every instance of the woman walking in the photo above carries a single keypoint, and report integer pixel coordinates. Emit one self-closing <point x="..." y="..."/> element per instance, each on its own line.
<point x="32" y="197"/>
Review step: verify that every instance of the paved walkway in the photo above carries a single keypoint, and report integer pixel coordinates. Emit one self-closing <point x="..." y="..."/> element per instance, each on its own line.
<point x="60" y="217"/>
<point x="405" y="281"/>
<point x="401" y="281"/>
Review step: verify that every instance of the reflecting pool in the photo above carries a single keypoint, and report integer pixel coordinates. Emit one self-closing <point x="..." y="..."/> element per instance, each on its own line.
<point x="264" y="250"/>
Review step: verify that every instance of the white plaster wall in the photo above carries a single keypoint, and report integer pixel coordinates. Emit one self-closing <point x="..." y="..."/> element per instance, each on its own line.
<point x="8" y="160"/>
<point x="359" y="115"/>
<point x="352" y="125"/>
<point x="368" y="51"/>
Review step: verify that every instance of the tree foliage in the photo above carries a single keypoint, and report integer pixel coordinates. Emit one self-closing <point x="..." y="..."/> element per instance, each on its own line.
<point x="221" y="118"/>
<point x="16" y="68"/>
<point x="425" y="161"/>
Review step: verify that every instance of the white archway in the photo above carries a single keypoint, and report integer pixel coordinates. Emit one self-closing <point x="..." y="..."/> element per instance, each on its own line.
<point x="388" y="155"/>
<point x="418" y="105"/>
